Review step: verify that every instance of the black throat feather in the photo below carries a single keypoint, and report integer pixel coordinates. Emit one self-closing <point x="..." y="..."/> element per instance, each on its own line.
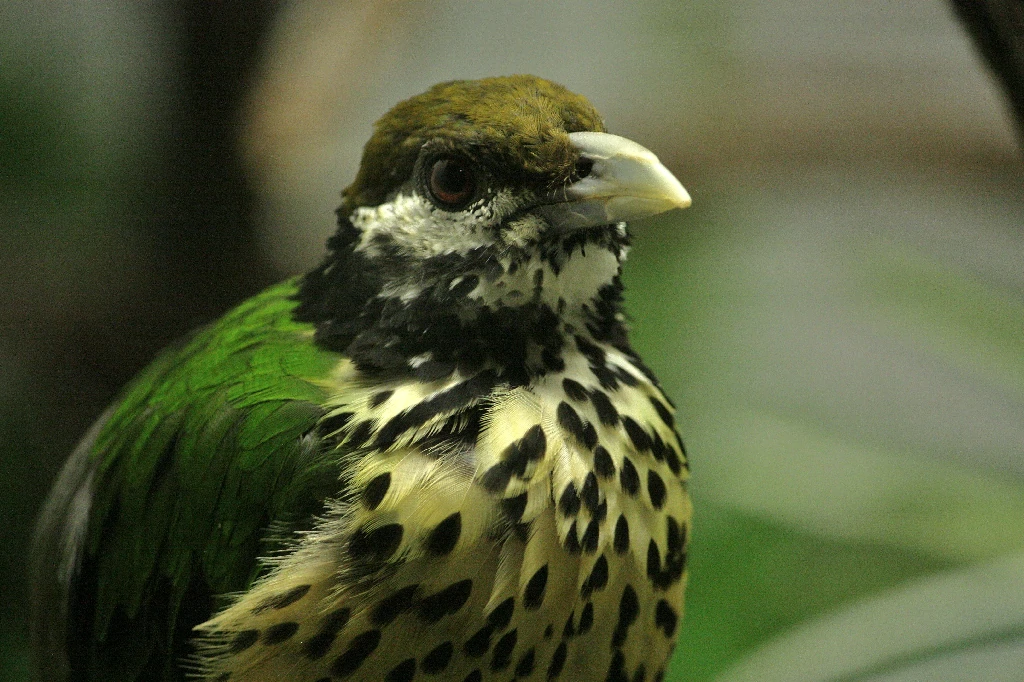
<point x="442" y="329"/>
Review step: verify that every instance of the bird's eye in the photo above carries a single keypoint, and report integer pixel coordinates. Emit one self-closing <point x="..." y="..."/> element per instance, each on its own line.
<point x="451" y="183"/>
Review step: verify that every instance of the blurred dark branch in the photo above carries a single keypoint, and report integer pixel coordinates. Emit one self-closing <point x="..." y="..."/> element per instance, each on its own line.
<point x="189" y="198"/>
<point x="997" y="27"/>
<point x="202" y="212"/>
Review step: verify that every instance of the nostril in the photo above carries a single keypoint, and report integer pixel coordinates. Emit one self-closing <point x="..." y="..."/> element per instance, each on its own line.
<point x="582" y="168"/>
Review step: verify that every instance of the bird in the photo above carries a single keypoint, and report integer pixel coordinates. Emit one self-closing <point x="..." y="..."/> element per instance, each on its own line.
<point x="434" y="456"/>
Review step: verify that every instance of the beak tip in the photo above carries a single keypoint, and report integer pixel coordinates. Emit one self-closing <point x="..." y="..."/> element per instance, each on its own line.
<point x="676" y="195"/>
<point x="683" y="199"/>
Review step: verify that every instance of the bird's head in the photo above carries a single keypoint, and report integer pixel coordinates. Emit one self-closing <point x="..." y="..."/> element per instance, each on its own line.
<point x="490" y="210"/>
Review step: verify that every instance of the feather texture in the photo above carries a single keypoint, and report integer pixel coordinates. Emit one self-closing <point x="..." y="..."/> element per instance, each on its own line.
<point x="207" y="450"/>
<point x="476" y="557"/>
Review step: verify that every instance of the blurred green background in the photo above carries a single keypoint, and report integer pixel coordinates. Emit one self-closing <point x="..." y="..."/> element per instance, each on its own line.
<point x="840" y="316"/>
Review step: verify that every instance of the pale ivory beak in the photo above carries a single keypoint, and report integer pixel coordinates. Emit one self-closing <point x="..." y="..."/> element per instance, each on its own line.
<point x="626" y="182"/>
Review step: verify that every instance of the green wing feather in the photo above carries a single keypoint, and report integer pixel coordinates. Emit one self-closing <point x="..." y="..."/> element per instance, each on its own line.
<point x="211" y="447"/>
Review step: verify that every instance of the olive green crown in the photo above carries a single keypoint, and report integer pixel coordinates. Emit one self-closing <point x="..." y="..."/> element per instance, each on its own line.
<point x="522" y="121"/>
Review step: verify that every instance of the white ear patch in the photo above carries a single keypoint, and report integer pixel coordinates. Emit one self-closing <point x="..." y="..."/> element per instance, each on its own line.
<point x="421" y="230"/>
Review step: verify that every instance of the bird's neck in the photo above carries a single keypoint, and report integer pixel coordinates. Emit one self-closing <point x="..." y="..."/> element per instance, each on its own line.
<point x="518" y="317"/>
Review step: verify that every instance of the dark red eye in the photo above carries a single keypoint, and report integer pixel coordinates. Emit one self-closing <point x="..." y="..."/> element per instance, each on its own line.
<point x="451" y="183"/>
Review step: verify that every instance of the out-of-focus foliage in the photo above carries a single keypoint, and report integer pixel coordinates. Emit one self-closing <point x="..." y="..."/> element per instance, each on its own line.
<point x="957" y="625"/>
<point x="848" y="371"/>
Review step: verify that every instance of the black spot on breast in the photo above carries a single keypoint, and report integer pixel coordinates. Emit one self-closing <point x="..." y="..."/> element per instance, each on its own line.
<point x="629" y="609"/>
<point x="641" y="673"/>
<point x="675" y="558"/>
<point x="672" y="459"/>
<point x="496" y="478"/>
<point x="594" y="354"/>
<point x="570" y="421"/>
<point x="473" y="676"/>
<point x="553" y="362"/>
<point x="606" y="411"/>
<point x="621" y="540"/>
<point x="403" y="672"/>
<point x="378" y="399"/>
<point x="519" y="453"/>
<point x="589" y="493"/>
<point x="570" y="627"/>
<point x="675" y="534"/>
<point x="526" y="662"/>
<point x="641" y="439"/>
<point x="375" y="490"/>
<point x="359" y="649"/>
<point x="503" y="650"/>
<point x="478" y="644"/>
<point x="572" y="542"/>
<point x="629" y="606"/>
<point x="586" y="618"/>
<point x="605" y="377"/>
<point x="438" y="659"/>
<point x="243" y="640"/>
<point x="335" y="422"/>
<point x="656" y="489"/>
<point x="360" y="434"/>
<point x="629" y="479"/>
<point x="393" y="606"/>
<point x="590" y="536"/>
<point x="549" y="631"/>
<point x="682" y="453"/>
<point x="626" y="377"/>
<point x="377" y="544"/>
<point x="569" y="502"/>
<point x="514" y="458"/>
<point x="533" y="595"/>
<point x="449" y="600"/>
<point x="601" y="513"/>
<point x="318" y="645"/>
<point x="574" y="390"/>
<point x="659" y="676"/>
<point x="464" y="287"/>
<point x="589" y="435"/>
<point x="534" y="443"/>
<point x="459" y="396"/>
<point x="513" y="507"/>
<point x="557" y="660"/>
<point x="282" y="600"/>
<point x="665" y="617"/>
<point x="658" y="447"/>
<point x="501" y="616"/>
<point x="281" y="632"/>
<point x="603" y="464"/>
<point x="654" y="562"/>
<point x="663" y="412"/>
<point x="445" y="535"/>
<point x="461" y="428"/>
<point x="617" y="668"/>
<point x="597" y="579"/>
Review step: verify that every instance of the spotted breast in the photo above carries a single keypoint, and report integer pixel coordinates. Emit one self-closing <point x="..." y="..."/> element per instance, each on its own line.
<point x="501" y="532"/>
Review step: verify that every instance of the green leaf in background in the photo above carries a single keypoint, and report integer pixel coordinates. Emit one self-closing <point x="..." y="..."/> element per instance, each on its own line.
<point x="966" y="624"/>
